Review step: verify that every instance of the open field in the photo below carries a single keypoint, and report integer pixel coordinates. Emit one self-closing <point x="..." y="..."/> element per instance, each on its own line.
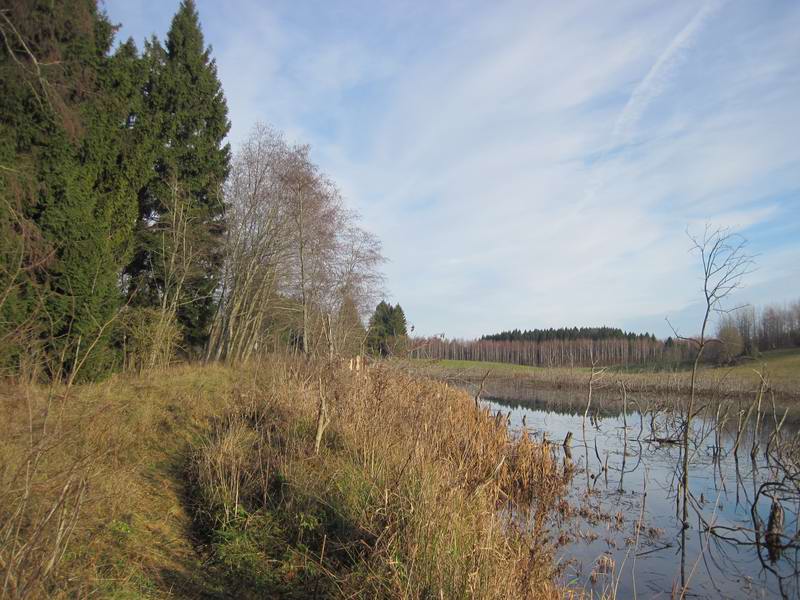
<point x="781" y="368"/>
<point x="204" y="482"/>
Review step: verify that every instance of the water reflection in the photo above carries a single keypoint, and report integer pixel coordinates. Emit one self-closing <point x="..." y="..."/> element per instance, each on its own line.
<point x="623" y="528"/>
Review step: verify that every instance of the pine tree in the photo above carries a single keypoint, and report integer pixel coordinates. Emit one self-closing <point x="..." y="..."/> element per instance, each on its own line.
<point x="387" y="329"/>
<point x="187" y="113"/>
<point x="68" y="131"/>
<point x="397" y="322"/>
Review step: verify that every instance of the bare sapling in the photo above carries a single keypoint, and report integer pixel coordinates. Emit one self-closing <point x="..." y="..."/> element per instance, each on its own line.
<point x="596" y="376"/>
<point x="762" y="388"/>
<point x="725" y="263"/>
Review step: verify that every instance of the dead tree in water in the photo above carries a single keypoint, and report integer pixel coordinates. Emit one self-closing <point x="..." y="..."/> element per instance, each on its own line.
<point x="480" y="391"/>
<point x="596" y="375"/>
<point x="725" y="263"/>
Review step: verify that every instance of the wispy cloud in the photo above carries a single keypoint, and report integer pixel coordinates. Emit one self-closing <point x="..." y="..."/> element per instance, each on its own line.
<point x="536" y="164"/>
<point x="659" y="75"/>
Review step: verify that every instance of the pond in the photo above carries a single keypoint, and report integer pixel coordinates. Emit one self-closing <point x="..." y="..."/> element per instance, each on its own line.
<point x="621" y="530"/>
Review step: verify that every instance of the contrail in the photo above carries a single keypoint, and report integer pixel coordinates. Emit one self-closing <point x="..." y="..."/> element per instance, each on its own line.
<point x="647" y="90"/>
<point x="658" y="76"/>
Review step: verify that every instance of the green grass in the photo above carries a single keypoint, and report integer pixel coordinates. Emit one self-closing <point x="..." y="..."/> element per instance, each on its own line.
<point x="781" y="366"/>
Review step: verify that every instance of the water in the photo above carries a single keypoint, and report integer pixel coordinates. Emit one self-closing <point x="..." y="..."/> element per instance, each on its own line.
<point x="623" y="530"/>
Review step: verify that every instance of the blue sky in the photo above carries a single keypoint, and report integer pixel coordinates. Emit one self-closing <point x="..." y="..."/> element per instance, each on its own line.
<point x="532" y="164"/>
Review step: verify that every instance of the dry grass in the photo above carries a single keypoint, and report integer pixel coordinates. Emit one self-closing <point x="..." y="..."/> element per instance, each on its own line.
<point x="115" y="448"/>
<point x="414" y="493"/>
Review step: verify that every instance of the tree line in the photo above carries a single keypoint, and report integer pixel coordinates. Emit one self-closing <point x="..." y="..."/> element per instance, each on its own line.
<point x="129" y="230"/>
<point x="635" y="350"/>
<point x="745" y="332"/>
<point x="750" y="330"/>
<point x="565" y="333"/>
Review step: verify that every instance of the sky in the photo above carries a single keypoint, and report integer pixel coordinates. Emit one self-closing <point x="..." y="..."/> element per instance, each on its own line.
<point x="532" y="164"/>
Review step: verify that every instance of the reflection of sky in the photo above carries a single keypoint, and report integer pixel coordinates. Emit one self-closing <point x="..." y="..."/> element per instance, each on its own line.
<point x="718" y="568"/>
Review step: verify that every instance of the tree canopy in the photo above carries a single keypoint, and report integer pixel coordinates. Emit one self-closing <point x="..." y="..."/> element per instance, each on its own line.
<point x="73" y="159"/>
<point x="187" y="116"/>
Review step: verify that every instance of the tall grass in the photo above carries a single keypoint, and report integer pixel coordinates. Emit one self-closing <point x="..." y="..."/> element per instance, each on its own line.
<point x="414" y="492"/>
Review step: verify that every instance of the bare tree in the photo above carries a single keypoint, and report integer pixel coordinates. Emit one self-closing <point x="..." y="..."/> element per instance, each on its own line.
<point x="257" y="244"/>
<point x="334" y="259"/>
<point x="725" y="263"/>
<point x="315" y="212"/>
<point x="296" y="259"/>
<point x="357" y="284"/>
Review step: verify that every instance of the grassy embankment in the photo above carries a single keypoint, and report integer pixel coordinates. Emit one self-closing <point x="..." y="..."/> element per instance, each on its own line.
<point x="203" y="482"/>
<point x="781" y="367"/>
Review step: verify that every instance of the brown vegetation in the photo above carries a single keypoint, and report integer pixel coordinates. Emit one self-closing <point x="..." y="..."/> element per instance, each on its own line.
<point x="109" y="489"/>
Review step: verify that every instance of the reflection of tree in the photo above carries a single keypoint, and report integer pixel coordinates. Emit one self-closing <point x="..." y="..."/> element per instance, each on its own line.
<point x="729" y="505"/>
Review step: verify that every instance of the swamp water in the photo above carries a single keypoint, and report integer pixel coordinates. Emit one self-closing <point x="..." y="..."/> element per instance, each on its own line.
<point x="620" y="530"/>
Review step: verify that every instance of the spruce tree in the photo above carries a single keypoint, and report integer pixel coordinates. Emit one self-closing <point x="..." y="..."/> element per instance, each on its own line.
<point x="397" y="322"/>
<point x="73" y="167"/>
<point x="378" y="333"/>
<point x="187" y="112"/>
<point x="387" y="329"/>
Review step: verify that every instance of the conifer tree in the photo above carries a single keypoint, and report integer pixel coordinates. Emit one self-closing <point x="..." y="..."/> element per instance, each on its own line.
<point x="387" y="329"/>
<point x="378" y="332"/>
<point x="73" y="165"/>
<point x="397" y="322"/>
<point x="187" y="112"/>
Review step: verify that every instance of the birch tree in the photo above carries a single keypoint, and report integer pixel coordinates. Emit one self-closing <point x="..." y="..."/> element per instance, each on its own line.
<point x="257" y="244"/>
<point x="296" y="258"/>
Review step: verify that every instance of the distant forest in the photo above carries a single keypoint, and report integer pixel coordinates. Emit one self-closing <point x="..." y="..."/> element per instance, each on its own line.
<point x="635" y="350"/>
<point x="566" y="333"/>
<point x="742" y="333"/>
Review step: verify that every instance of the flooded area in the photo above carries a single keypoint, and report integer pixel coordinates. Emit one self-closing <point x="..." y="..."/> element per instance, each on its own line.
<point x="622" y="528"/>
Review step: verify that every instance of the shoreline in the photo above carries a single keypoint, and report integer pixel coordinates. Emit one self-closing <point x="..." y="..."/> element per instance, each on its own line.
<point x="713" y="383"/>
